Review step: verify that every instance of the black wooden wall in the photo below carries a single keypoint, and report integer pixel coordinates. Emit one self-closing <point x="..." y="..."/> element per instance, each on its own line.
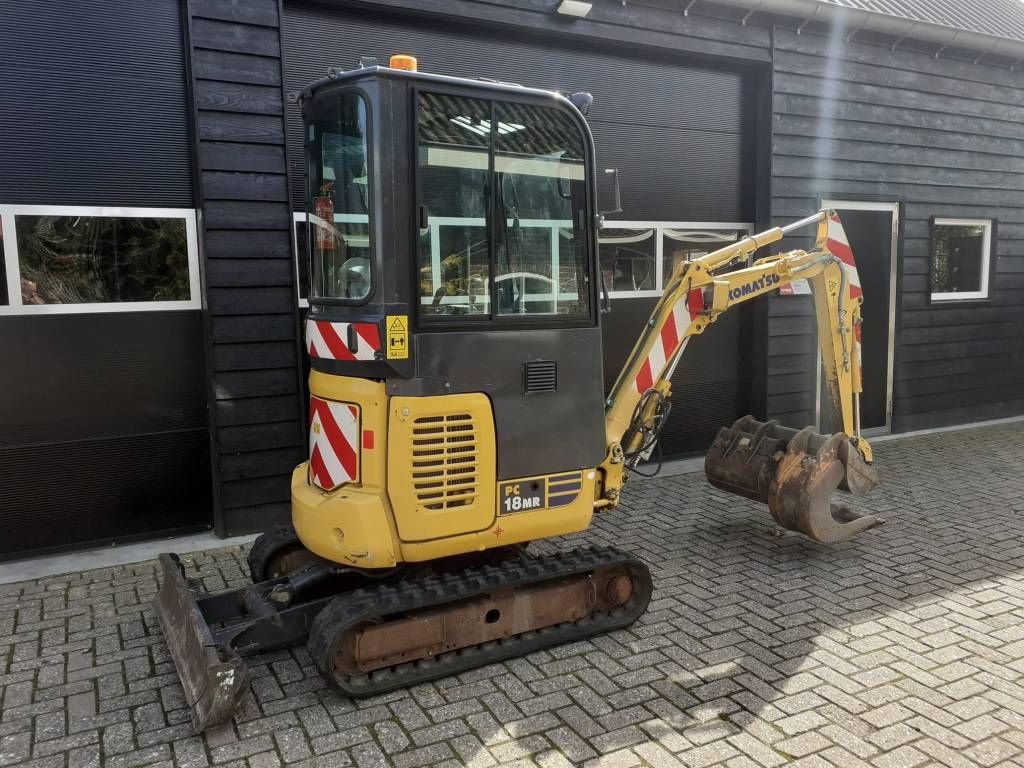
<point x="257" y="433"/>
<point x="946" y="138"/>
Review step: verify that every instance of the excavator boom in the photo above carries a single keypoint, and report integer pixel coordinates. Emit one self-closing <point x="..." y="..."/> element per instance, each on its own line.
<point x="794" y="472"/>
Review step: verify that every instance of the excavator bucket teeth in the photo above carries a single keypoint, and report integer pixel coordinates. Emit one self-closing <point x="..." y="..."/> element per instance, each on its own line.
<point x="795" y="473"/>
<point x="213" y="678"/>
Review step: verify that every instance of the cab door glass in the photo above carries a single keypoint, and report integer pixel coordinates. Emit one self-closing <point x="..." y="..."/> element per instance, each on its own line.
<point x="338" y="206"/>
<point x="453" y="159"/>
<point x="540" y="227"/>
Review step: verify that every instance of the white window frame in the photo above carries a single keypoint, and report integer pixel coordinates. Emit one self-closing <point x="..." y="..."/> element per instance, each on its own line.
<point x="299" y="217"/>
<point x="659" y="228"/>
<point x="553" y="226"/>
<point x="13" y="265"/>
<point x="986" y="259"/>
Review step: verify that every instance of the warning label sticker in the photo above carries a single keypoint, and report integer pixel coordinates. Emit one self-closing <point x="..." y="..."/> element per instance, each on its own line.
<point x="398" y="337"/>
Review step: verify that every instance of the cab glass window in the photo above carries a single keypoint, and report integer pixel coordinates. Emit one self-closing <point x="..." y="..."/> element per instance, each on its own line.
<point x="502" y="210"/>
<point x="540" y="235"/>
<point x="453" y="159"/>
<point x="338" y="204"/>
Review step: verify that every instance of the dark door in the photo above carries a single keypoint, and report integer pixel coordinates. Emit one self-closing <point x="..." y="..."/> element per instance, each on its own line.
<point x="871" y="235"/>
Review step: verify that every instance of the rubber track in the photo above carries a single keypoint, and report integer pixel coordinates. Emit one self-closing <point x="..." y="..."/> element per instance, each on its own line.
<point x="351" y="610"/>
<point x="267" y="544"/>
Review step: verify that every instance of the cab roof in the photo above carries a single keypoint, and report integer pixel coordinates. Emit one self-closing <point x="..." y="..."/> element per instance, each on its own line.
<point x="338" y="77"/>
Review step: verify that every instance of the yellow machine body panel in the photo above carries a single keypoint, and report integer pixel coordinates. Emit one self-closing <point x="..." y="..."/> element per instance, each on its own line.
<point x="442" y="458"/>
<point x="353" y="524"/>
<point x="427" y="486"/>
<point x="565" y="511"/>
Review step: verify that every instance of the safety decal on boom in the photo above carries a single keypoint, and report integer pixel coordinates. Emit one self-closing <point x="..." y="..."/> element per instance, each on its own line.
<point x="532" y="493"/>
<point x="839" y="246"/>
<point x="670" y="336"/>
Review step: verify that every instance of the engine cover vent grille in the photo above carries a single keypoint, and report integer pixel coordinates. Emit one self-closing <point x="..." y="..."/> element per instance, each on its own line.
<point x="540" y="376"/>
<point x="444" y="461"/>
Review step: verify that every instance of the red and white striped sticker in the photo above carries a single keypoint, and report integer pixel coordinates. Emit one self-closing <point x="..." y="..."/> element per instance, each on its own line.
<point x="670" y="337"/>
<point x="328" y="340"/>
<point x="839" y="246"/>
<point x="333" y="443"/>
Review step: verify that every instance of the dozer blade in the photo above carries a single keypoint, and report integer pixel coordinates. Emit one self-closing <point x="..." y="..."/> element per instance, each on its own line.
<point x="795" y="472"/>
<point x="213" y="678"/>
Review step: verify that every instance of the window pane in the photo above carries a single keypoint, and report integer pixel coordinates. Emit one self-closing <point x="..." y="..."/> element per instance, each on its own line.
<point x="453" y="161"/>
<point x="302" y="248"/>
<point x="99" y="259"/>
<point x="3" y="269"/>
<point x="339" y="204"/>
<point x="688" y="244"/>
<point x="629" y="259"/>
<point x="958" y="258"/>
<point x="540" y="239"/>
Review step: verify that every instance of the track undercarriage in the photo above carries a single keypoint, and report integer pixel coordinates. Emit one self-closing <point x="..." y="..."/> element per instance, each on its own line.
<point x="371" y="633"/>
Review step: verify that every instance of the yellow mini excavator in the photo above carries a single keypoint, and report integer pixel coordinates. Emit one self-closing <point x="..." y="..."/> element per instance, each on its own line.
<point x="457" y="410"/>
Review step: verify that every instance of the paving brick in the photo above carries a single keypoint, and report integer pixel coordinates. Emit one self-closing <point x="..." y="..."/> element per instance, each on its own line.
<point x="904" y="647"/>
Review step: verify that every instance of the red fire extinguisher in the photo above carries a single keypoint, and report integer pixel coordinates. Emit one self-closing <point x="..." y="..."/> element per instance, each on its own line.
<point x="323" y="209"/>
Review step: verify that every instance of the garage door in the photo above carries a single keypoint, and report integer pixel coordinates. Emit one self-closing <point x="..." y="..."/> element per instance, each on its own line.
<point x="674" y="130"/>
<point x="103" y="416"/>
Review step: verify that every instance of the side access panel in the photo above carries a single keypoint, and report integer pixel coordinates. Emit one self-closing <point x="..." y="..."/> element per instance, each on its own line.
<point x="441" y="465"/>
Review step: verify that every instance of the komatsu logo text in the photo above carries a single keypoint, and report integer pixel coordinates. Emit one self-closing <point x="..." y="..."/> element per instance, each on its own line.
<point x="753" y="286"/>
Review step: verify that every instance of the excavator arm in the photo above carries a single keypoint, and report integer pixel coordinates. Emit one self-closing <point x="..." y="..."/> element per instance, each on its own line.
<point x="794" y="471"/>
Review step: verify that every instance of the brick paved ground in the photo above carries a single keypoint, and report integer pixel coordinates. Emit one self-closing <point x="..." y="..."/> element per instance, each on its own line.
<point x="904" y="648"/>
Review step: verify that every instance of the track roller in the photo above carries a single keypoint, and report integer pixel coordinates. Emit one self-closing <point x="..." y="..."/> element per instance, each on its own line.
<point x="395" y="635"/>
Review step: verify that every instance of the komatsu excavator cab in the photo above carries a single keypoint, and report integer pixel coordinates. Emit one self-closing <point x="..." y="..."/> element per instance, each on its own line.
<point x="454" y="301"/>
<point x="457" y="411"/>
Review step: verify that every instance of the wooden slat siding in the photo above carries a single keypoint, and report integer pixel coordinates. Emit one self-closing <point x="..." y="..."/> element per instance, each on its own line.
<point x="792" y="126"/>
<point x="791" y="355"/>
<point x="854" y="149"/>
<point x="236" y="70"/>
<point x="231" y="126"/>
<point x="230" y="156"/>
<point x="226" y="330"/>
<point x="243" y="186"/>
<point x="275" y="435"/>
<point x="626" y="26"/>
<point x="807" y="106"/>
<point x="946" y="138"/>
<point x="230" y="385"/>
<point x="268" y="463"/>
<point x="233" y="273"/>
<point x="254" y="410"/>
<point x="232" y="97"/>
<point x="907" y="81"/>
<point x="257" y="356"/>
